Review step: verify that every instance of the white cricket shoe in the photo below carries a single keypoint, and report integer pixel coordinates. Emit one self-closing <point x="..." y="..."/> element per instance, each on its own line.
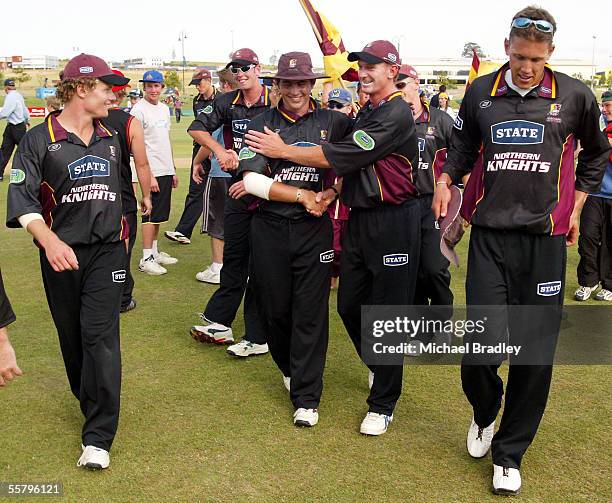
<point x="150" y="266"/>
<point x="164" y="259"/>
<point x="287" y="382"/>
<point x="247" y="348"/>
<point x="213" y="332"/>
<point x="479" y="439"/>
<point x="506" y="481"/>
<point x="604" y="294"/>
<point x="584" y="292"/>
<point x="94" y="458"/>
<point x="370" y="379"/>
<point x="305" y="417"/>
<point x="375" y="424"/>
<point x="178" y="237"/>
<point x="208" y="276"/>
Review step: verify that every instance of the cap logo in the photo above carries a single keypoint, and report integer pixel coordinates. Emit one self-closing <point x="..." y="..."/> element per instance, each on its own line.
<point x="392" y="57"/>
<point x="335" y="93"/>
<point x="86" y="69"/>
<point x="292" y="63"/>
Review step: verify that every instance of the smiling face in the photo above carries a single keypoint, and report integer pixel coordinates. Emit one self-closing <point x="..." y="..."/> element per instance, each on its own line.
<point x="296" y="94"/>
<point x="152" y="91"/>
<point x="377" y="80"/>
<point x="249" y="79"/>
<point x="96" y="101"/>
<point x="527" y="60"/>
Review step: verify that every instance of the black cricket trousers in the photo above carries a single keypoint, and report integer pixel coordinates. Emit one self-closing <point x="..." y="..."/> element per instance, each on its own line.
<point x="194" y="202"/>
<point x="13" y="133"/>
<point x="369" y="277"/>
<point x="292" y="263"/>
<point x="509" y="268"/>
<point x="128" y="287"/>
<point x="224" y="303"/>
<point x="595" y="243"/>
<point x="84" y="305"/>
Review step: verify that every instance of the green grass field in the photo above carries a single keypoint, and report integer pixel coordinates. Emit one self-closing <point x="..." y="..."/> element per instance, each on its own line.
<point x="197" y="425"/>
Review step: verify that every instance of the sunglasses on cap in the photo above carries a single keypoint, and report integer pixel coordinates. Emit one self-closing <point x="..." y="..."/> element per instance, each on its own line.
<point x="540" y="24"/>
<point x="334" y="105"/>
<point x="403" y="83"/>
<point x="243" y="69"/>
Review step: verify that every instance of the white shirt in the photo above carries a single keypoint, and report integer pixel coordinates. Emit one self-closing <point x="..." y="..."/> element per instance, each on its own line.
<point x="155" y="121"/>
<point x="14" y="109"/>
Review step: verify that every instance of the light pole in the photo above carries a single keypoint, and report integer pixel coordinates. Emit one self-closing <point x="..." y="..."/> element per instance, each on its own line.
<point x="182" y="37"/>
<point x="593" y="64"/>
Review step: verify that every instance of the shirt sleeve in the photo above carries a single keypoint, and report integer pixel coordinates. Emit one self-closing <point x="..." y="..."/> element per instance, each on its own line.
<point x="10" y="104"/>
<point x="340" y="126"/>
<point x="465" y="140"/>
<point x="368" y="142"/>
<point x="26" y="177"/>
<point x="138" y="113"/>
<point x="249" y="160"/>
<point x="593" y="158"/>
<point x="211" y="118"/>
<point x="26" y="112"/>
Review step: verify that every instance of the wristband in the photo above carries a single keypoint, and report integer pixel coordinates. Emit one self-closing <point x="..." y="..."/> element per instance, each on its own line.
<point x="298" y="196"/>
<point x="336" y="191"/>
<point x="442" y="183"/>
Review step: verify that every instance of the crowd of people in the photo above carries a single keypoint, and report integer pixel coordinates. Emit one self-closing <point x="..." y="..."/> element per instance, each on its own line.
<point x="299" y="197"/>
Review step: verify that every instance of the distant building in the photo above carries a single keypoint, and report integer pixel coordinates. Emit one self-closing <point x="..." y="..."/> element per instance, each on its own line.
<point x="143" y="63"/>
<point x="36" y="62"/>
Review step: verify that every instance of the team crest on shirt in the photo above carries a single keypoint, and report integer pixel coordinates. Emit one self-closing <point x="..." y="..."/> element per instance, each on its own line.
<point x="88" y="167"/>
<point x="323" y="134"/>
<point x="363" y="140"/>
<point x="208" y="109"/>
<point x="430" y="133"/>
<point x="553" y="113"/>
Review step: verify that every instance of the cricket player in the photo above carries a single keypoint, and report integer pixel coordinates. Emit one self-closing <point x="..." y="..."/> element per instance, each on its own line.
<point x="65" y="190"/>
<point x="524" y="205"/>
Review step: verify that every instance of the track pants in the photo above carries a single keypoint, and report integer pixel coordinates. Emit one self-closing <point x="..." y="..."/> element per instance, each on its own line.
<point x="507" y="268"/>
<point x="224" y="303"/>
<point x="369" y="278"/>
<point x="194" y="201"/>
<point x="13" y="133"/>
<point x="292" y="263"/>
<point x="433" y="280"/>
<point x="84" y="305"/>
<point x="128" y="286"/>
<point x="595" y="243"/>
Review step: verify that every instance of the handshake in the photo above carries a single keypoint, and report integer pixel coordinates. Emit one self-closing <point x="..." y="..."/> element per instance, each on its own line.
<point x="315" y="203"/>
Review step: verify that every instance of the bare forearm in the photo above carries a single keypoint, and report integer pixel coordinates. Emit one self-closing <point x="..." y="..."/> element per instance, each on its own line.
<point x="143" y="172"/>
<point x="579" y="200"/>
<point x="39" y="230"/>
<point x="283" y="193"/>
<point x="202" y="155"/>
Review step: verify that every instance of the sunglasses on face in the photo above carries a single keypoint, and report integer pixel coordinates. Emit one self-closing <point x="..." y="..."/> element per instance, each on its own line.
<point x="243" y="69"/>
<point x="334" y="105"/>
<point x="540" y="24"/>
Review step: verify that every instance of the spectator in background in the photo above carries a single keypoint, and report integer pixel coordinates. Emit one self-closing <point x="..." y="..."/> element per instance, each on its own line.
<point x="444" y="101"/>
<point x="434" y="103"/>
<point x="341" y="100"/>
<point x="362" y="98"/>
<point x="178" y="107"/>
<point x="133" y="98"/>
<point x="52" y="104"/>
<point x="595" y="241"/>
<point x="16" y="114"/>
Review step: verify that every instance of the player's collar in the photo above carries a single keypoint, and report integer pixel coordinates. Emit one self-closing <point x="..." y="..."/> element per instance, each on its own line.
<point x="547" y="88"/>
<point x="425" y="114"/>
<point x="290" y="116"/>
<point x="264" y="98"/>
<point x="58" y="133"/>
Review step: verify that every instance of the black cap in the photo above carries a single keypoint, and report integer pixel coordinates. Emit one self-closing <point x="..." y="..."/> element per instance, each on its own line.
<point x="9" y="83"/>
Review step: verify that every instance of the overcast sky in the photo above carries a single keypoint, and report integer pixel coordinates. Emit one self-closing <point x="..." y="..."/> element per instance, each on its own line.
<point x="423" y="29"/>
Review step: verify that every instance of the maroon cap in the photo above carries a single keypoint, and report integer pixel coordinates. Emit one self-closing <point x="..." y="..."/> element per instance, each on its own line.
<point x="407" y="71"/>
<point x="89" y="66"/>
<point x="200" y="74"/>
<point x="296" y="66"/>
<point x="451" y="227"/>
<point x="379" y="51"/>
<point x="244" y="56"/>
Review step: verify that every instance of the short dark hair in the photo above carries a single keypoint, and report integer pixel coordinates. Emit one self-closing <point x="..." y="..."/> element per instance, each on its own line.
<point x="442" y="88"/>
<point x="532" y="33"/>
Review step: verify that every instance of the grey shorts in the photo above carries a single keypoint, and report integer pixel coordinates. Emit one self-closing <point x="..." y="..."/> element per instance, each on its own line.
<point x="214" y="196"/>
